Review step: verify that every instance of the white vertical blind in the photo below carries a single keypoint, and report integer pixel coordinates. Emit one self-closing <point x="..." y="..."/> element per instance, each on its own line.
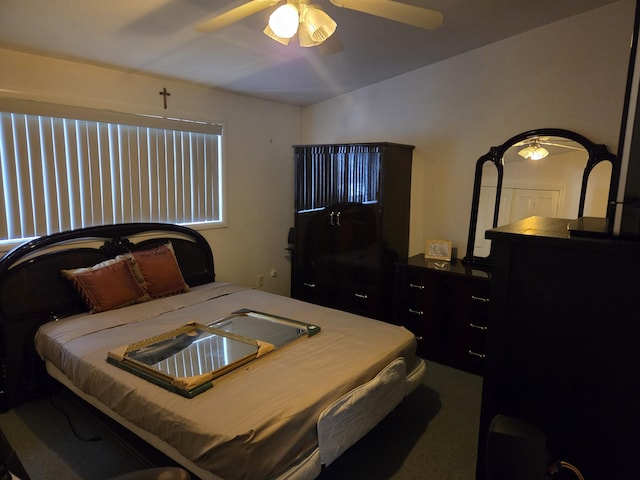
<point x="59" y="174"/>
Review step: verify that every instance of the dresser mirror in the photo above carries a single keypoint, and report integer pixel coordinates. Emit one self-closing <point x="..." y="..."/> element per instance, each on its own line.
<point x="546" y="172"/>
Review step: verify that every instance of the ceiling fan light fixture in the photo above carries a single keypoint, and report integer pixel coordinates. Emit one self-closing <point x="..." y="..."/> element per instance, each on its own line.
<point x="271" y="34"/>
<point x="305" y="38"/>
<point x="534" y="152"/>
<point x="284" y="21"/>
<point x="319" y="25"/>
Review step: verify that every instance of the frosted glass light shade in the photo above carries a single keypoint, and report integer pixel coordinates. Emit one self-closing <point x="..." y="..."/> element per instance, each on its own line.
<point x="319" y="25"/>
<point x="305" y="38"/>
<point x="269" y="33"/>
<point x="284" y="21"/>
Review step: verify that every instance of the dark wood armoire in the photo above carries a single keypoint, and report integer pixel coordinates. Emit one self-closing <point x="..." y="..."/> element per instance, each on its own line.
<point x="352" y="206"/>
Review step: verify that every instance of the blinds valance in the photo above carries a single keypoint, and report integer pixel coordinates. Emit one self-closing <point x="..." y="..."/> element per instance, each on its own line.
<point x="29" y="107"/>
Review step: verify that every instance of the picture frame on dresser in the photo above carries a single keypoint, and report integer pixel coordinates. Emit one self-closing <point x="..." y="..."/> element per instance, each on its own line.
<point x="438" y="250"/>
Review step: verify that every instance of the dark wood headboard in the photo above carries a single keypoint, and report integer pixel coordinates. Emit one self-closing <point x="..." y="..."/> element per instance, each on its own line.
<point x="33" y="291"/>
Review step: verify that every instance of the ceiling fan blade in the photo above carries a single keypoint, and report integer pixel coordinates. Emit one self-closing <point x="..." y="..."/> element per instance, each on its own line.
<point x="562" y="145"/>
<point x="545" y="141"/>
<point x="399" y="12"/>
<point x="235" y="15"/>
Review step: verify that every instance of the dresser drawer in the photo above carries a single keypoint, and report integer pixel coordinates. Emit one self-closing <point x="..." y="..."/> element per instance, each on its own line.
<point x="471" y="325"/>
<point x="421" y="312"/>
<point x="476" y="348"/>
<point x="447" y="310"/>
<point x="420" y="289"/>
<point x="311" y="288"/>
<point x="361" y="299"/>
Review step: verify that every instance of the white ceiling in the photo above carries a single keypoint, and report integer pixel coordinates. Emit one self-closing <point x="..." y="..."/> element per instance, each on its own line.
<point x="158" y="37"/>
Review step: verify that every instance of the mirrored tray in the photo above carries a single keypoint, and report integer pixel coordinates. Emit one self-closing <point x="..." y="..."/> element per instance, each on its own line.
<point x="187" y="359"/>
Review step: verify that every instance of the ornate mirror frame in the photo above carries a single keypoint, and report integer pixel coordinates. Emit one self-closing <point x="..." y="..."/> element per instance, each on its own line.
<point x="597" y="153"/>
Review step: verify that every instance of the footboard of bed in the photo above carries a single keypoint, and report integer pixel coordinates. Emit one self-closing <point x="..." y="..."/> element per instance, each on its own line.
<point x="353" y="415"/>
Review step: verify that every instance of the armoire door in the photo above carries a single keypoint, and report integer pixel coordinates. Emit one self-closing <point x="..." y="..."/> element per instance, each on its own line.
<point x="342" y="257"/>
<point x="356" y="260"/>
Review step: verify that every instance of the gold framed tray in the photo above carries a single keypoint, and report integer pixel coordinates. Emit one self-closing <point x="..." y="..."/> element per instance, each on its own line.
<point x="187" y="359"/>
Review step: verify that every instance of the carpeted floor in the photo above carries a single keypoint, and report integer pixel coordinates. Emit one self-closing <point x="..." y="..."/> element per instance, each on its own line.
<point x="431" y="435"/>
<point x="48" y="448"/>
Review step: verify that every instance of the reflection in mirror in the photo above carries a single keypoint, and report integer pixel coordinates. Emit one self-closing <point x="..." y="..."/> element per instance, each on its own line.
<point x="547" y="172"/>
<point x="598" y="190"/>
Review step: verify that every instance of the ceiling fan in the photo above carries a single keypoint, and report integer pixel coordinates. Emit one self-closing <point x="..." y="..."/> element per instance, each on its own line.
<point x="312" y="24"/>
<point x="534" y="149"/>
<point x="552" y="141"/>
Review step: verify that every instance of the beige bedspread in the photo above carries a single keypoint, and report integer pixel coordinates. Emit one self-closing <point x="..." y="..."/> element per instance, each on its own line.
<point x="255" y="421"/>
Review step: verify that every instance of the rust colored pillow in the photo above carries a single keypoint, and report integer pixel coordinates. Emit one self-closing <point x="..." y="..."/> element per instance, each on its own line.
<point x="108" y="285"/>
<point x="160" y="271"/>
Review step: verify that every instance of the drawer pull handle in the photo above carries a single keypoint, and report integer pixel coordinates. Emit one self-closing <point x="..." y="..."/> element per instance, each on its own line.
<point x="479" y="299"/>
<point x="361" y="295"/>
<point x="417" y="312"/>
<point x="413" y="285"/>
<point x="475" y="354"/>
<point x="479" y="327"/>
<point x="418" y="338"/>
<point x="310" y="285"/>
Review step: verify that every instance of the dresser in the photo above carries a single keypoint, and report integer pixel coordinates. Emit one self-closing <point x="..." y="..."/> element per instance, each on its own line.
<point x="352" y="206"/>
<point x="445" y="304"/>
<point x="562" y="344"/>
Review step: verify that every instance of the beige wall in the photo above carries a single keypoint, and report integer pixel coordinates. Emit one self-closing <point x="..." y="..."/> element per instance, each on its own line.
<point x="570" y="74"/>
<point x="257" y="150"/>
<point x="566" y="75"/>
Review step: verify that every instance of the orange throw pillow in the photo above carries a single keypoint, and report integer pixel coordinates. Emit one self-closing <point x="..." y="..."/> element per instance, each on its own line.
<point x="108" y="285"/>
<point x="160" y="271"/>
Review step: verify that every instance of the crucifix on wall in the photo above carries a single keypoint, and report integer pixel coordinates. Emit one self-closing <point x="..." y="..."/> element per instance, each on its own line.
<point x="164" y="94"/>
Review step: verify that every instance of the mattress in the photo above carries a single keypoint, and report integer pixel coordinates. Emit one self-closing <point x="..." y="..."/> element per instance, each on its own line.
<point x="256" y="421"/>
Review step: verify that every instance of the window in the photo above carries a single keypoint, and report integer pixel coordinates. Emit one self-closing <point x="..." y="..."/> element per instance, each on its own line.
<point x="59" y="173"/>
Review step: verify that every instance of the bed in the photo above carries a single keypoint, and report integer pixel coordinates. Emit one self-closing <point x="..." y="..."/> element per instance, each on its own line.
<point x="285" y="415"/>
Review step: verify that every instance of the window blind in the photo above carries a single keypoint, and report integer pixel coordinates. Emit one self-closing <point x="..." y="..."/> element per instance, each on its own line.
<point x="66" y="173"/>
<point x="329" y="174"/>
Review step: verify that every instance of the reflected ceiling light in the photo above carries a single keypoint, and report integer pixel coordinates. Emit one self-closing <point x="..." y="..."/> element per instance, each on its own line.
<point x="534" y="152"/>
<point x="311" y="23"/>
